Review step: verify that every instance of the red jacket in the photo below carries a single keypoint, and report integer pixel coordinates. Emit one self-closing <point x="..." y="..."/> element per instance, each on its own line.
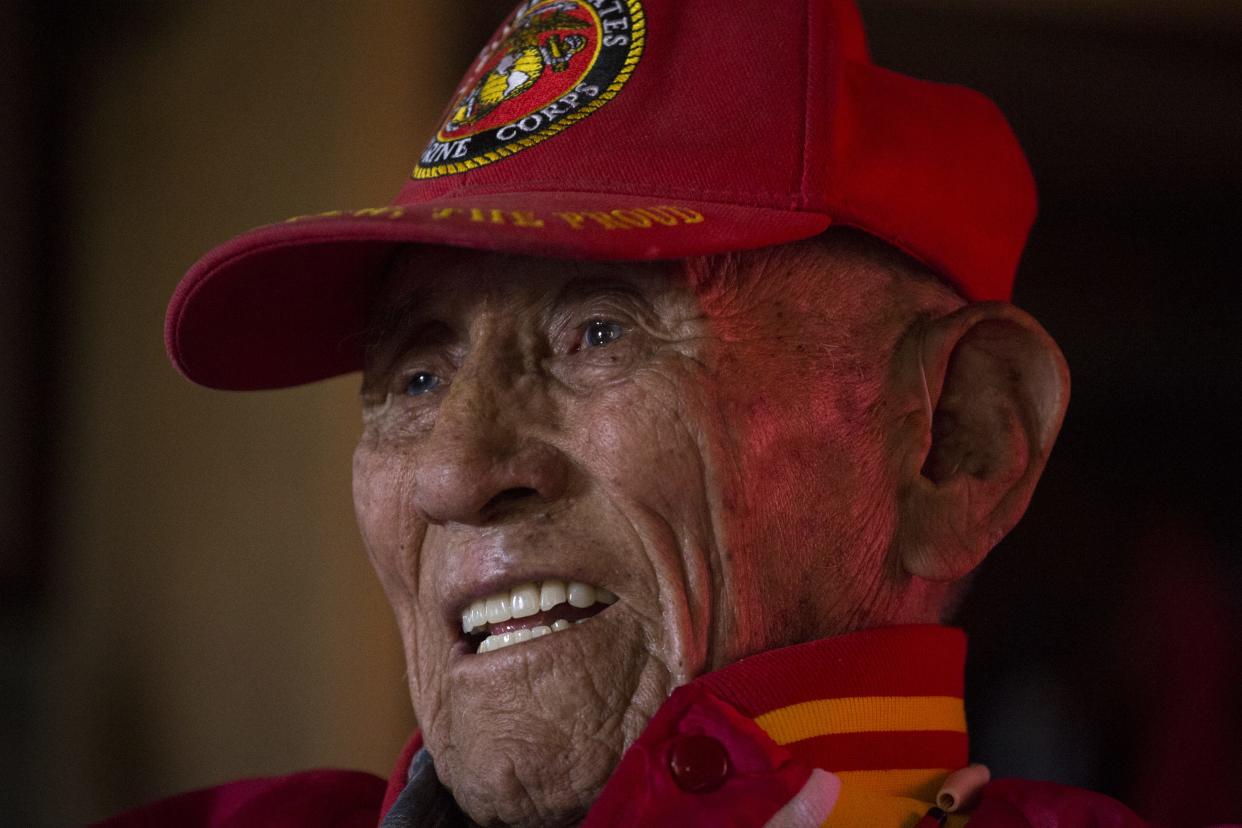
<point x="856" y="730"/>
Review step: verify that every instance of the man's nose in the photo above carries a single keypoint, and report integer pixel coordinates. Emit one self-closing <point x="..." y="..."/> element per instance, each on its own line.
<point x="480" y="463"/>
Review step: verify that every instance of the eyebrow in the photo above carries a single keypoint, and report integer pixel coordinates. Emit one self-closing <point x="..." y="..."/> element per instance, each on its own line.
<point x="408" y="311"/>
<point x="586" y="287"/>
<point x="382" y="325"/>
<point x="395" y="317"/>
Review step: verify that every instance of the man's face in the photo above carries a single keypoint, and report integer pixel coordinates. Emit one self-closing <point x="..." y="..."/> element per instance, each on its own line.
<point x="531" y="423"/>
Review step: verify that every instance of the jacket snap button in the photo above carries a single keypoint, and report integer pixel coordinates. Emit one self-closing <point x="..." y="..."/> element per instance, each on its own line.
<point x="699" y="763"/>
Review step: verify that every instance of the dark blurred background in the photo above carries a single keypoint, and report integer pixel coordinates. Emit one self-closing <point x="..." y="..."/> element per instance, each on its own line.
<point x="182" y="596"/>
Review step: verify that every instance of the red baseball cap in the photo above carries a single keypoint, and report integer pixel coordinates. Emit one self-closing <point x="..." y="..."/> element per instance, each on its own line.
<point x="632" y="129"/>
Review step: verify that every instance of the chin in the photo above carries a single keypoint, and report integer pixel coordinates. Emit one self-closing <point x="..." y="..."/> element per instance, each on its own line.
<point x="518" y="768"/>
<point x="528" y="735"/>
<point x="509" y="790"/>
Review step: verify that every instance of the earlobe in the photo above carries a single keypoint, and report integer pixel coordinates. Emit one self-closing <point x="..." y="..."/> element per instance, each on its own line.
<point x="993" y="387"/>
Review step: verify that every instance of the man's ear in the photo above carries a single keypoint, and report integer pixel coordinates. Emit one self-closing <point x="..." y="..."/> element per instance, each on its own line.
<point x="986" y="388"/>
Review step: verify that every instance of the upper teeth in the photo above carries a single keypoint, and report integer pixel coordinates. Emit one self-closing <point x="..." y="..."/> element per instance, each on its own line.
<point x="529" y="598"/>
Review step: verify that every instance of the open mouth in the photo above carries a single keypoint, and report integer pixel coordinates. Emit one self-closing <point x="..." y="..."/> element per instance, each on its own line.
<point x="530" y="610"/>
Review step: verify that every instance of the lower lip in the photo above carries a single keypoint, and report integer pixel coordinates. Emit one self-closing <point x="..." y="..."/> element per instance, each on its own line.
<point x="463" y="651"/>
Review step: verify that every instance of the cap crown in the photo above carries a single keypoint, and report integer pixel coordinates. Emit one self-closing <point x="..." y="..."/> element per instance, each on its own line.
<point x="764" y="104"/>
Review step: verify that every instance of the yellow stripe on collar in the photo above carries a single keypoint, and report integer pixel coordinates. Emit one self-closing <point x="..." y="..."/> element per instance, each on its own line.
<point x="863" y="714"/>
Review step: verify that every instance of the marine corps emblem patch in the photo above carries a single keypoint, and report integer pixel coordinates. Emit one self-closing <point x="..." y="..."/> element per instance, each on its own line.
<point x="552" y="63"/>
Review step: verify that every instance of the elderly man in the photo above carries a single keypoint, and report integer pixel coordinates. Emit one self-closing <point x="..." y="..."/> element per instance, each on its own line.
<point x="687" y="407"/>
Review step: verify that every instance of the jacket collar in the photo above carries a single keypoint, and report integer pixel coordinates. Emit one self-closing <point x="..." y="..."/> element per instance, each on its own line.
<point x="885" y="700"/>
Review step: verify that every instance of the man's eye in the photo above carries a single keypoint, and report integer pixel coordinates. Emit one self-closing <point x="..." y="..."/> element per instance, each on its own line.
<point x="601" y="332"/>
<point x="421" y="382"/>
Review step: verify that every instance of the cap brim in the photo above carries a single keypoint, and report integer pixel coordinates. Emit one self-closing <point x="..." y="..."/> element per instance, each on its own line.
<point x="287" y="304"/>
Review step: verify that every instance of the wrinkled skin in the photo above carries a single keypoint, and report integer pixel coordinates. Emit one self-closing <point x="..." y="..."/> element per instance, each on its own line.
<point x="734" y="498"/>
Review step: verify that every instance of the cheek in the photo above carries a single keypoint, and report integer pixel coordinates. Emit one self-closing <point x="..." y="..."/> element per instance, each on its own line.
<point x="798" y="499"/>
<point x="380" y="497"/>
<point x="642" y="441"/>
<point x="640" y="446"/>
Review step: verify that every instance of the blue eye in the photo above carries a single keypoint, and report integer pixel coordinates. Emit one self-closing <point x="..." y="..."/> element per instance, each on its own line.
<point x="421" y="382"/>
<point x="601" y="332"/>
